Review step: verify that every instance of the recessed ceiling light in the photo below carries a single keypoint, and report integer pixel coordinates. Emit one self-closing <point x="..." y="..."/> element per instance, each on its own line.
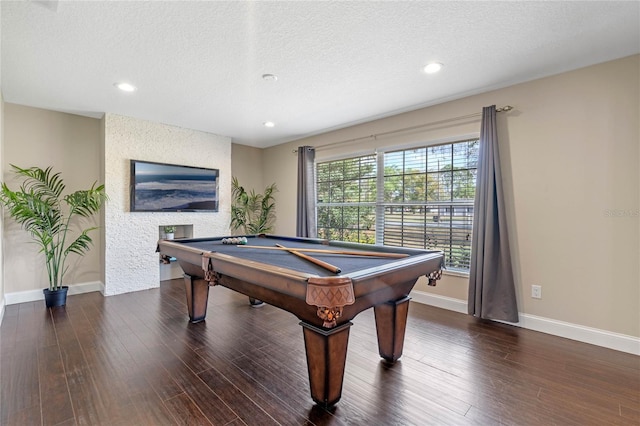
<point x="269" y="124"/>
<point x="433" y="68"/>
<point x="126" y="87"/>
<point x="269" y="77"/>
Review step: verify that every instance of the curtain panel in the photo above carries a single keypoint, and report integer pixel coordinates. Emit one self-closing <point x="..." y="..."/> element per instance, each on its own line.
<point x="491" y="284"/>
<point x="306" y="201"/>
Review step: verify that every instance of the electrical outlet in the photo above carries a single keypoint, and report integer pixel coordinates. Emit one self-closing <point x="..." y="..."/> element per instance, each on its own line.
<point x="536" y="291"/>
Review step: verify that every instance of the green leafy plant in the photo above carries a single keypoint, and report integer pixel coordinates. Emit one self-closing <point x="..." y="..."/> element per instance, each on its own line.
<point x="169" y="229"/>
<point x="251" y="212"/>
<point x="40" y="207"/>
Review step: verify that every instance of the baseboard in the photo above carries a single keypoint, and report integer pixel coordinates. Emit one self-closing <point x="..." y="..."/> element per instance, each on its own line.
<point x="33" y="295"/>
<point x="594" y="336"/>
<point x="2" y="303"/>
<point x="448" y="303"/>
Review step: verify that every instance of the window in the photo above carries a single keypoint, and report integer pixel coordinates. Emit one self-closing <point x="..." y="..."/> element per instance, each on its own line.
<point x="347" y="199"/>
<point x="428" y="199"/>
<point x="424" y="199"/>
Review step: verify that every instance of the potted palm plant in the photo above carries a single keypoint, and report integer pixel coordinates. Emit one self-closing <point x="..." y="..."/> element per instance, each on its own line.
<point x="42" y="209"/>
<point x="251" y="212"/>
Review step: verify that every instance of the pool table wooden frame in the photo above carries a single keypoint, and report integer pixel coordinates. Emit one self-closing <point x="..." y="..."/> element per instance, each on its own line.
<point x="324" y="304"/>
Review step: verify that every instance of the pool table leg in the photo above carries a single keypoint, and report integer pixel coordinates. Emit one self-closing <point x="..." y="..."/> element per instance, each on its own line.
<point x="197" y="291"/>
<point x="326" y="355"/>
<point x="391" y="322"/>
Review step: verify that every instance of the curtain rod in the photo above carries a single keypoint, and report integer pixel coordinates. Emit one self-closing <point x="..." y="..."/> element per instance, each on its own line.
<point x="505" y="108"/>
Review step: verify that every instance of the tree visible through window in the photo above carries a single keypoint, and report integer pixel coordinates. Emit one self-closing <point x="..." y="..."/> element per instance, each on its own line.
<point x="426" y="199"/>
<point x="346" y="199"/>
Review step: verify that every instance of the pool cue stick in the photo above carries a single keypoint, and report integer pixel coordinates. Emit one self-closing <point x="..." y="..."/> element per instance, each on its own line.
<point x="350" y="253"/>
<point x="318" y="262"/>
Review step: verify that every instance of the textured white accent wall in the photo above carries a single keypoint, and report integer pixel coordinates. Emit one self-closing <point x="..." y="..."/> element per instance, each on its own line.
<point x="131" y="263"/>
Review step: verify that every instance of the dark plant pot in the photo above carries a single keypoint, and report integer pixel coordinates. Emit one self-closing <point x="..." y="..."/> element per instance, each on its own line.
<point x="53" y="298"/>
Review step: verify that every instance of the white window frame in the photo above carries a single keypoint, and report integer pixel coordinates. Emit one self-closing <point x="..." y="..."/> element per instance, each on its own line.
<point x="380" y="203"/>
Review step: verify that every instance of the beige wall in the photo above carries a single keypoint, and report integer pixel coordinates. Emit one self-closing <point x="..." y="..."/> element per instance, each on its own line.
<point x="102" y="230"/>
<point x="246" y="165"/>
<point x="569" y="153"/>
<point x="85" y="150"/>
<point x="2" y="300"/>
<point x="70" y="144"/>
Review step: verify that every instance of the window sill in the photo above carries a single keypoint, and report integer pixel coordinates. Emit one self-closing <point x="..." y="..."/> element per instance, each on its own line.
<point x="454" y="273"/>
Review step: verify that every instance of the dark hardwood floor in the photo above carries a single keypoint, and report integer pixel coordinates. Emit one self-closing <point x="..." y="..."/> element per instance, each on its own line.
<point x="134" y="359"/>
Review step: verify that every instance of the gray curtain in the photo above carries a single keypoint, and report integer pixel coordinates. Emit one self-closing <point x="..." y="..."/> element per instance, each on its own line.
<point x="306" y="213"/>
<point x="491" y="287"/>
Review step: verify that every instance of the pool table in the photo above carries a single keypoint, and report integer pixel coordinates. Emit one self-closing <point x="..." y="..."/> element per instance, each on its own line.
<point x="324" y="300"/>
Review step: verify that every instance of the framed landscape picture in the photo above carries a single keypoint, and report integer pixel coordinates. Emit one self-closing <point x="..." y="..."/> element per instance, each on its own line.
<point x="161" y="187"/>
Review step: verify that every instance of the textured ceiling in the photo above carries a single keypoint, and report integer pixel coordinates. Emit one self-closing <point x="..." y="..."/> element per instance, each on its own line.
<point x="198" y="64"/>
